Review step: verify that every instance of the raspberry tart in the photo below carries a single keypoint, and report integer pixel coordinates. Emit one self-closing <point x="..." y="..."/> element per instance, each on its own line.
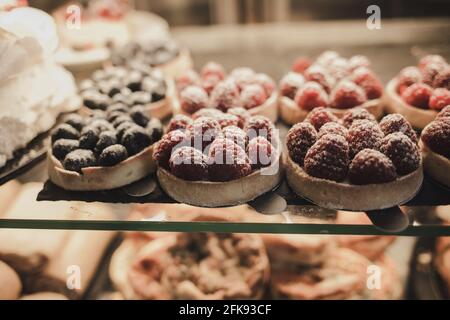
<point x="127" y="87"/>
<point x="435" y="144"/>
<point x="213" y="162"/>
<point x="419" y="93"/>
<point x="331" y="81"/>
<point x="105" y="151"/>
<point x="354" y="163"/>
<point x="214" y="89"/>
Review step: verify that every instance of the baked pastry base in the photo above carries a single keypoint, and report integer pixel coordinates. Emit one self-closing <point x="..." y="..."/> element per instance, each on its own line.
<point x="418" y="118"/>
<point x="102" y="178"/>
<point x="292" y="114"/>
<point x="344" y="196"/>
<point x="436" y="165"/>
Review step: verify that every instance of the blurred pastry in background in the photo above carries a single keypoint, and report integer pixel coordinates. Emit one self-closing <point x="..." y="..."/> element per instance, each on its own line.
<point x="390" y="284"/>
<point x="44" y="296"/>
<point x="8" y="193"/>
<point x="442" y="260"/>
<point x="10" y="285"/>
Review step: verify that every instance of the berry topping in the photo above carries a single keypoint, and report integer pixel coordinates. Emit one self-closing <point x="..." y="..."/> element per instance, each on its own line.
<point x="260" y="126"/>
<point x="62" y="147"/>
<point x="430" y="71"/>
<point x="358" y="61"/>
<point x="299" y="139"/>
<point x="371" y="166"/>
<point x="154" y="129"/>
<point x="75" y="120"/>
<point x="64" y="131"/>
<point x="189" y="164"/>
<point x="397" y="123"/>
<point x="367" y="80"/>
<point x="319" y="116"/>
<point x="209" y="83"/>
<point x="347" y="95"/>
<point x="105" y="139"/>
<point x="112" y="155"/>
<point x="225" y="95"/>
<point x="252" y="96"/>
<point x="364" y="134"/>
<point x="226" y="119"/>
<point x="235" y="134"/>
<point x="339" y="68"/>
<point x="437" y="136"/>
<point x="407" y="77"/>
<point x="79" y="159"/>
<point x="319" y="74"/>
<point x="89" y="138"/>
<point x="444" y="113"/>
<point x="311" y="96"/>
<point x="417" y="95"/>
<point x="327" y="57"/>
<point x="403" y="153"/>
<point x="213" y="69"/>
<point x="207" y="112"/>
<point x="124" y="127"/>
<point x="242" y="76"/>
<point x="100" y="125"/>
<point x="137" y="113"/>
<point x="192" y="99"/>
<point x="266" y="82"/>
<point x="168" y="143"/>
<point x="301" y="64"/>
<point x="202" y="132"/>
<point x="432" y="58"/>
<point x="136" y="139"/>
<point x="242" y="114"/>
<point x="290" y="84"/>
<point x="442" y="79"/>
<point x="354" y="114"/>
<point x="121" y="119"/>
<point x="328" y="158"/>
<point x="260" y="152"/>
<point x="332" y="128"/>
<point x="179" y="122"/>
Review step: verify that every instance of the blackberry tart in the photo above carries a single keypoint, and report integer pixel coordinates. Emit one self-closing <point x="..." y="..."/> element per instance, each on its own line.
<point x="105" y="151"/>
<point x="330" y="81"/>
<point x="212" y="161"/>
<point x="420" y="92"/>
<point x="214" y="89"/>
<point x="354" y="163"/>
<point x="122" y="88"/>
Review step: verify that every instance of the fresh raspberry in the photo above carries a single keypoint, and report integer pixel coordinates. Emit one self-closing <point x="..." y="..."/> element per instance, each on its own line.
<point x="252" y="96"/>
<point x="437" y="136"/>
<point x="439" y="99"/>
<point x="260" y="152"/>
<point x="444" y="113"/>
<point x="347" y="95"/>
<point x="407" y="77"/>
<point x="397" y="123"/>
<point x="403" y="153"/>
<point x="188" y="78"/>
<point x="169" y="142"/>
<point x="235" y="134"/>
<point x="226" y="119"/>
<point x="225" y="95"/>
<point x="442" y="79"/>
<point x="311" y="96"/>
<point x="228" y="161"/>
<point x="202" y="132"/>
<point x="332" y="128"/>
<point x="358" y="61"/>
<point x="432" y="58"/>
<point x="207" y="112"/>
<point x="242" y="76"/>
<point x="209" y="83"/>
<point x="290" y="84"/>
<point x="430" y="72"/>
<point x="301" y="64"/>
<point x="266" y="82"/>
<point x="318" y="74"/>
<point x="260" y="126"/>
<point x="364" y="134"/>
<point x="339" y="68"/>
<point x="319" y="116"/>
<point x="193" y="98"/>
<point x="189" y="164"/>
<point x="417" y="95"/>
<point x="213" y="69"/>
<point x="367" y="80"/>
<point x="370" y="166"/>
<point x="179" y="122"/>
<point x="354" y="114"/>
<point x="327" y="57"/>
<point x="242" y="114"/>
<point x="300" y="138"/>
<point x="328" y="158"/>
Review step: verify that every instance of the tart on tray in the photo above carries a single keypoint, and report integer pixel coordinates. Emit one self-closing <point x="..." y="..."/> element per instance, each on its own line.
<point x="354" y="163"/>
<point x="435" y="144"/>
<point x="214" y="88"/>
<point x="330" y="81"/>
<point x="104" y="151"/>
<point x="419" y="93"/>
<point x="219" y="159"/>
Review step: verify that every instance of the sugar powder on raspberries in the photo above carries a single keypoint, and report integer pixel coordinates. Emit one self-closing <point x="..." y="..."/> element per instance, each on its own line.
<point x="371" y="166"/>
<point x="404" y="153"/>
<point x="299" y="139"/>
<point x="364" y="134"/>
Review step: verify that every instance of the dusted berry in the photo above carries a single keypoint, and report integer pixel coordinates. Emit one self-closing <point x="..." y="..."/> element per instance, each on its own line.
<point x="133" y="81"/>
<point x="225" y="96"/>
<point x="328" y="158"/>
<point x="242" y="76"/>
<point x="370" y="166"/>
<point x="364" y="134"/>
<point x="112" y="116"/>
<point x="124" y="127"/>
<point x="118" y="106"/>
<point x="266" y="82"/>
<point x="121" y="119"/>
<point x="242" y="114"/>
<point x="79" y="159"/>
<point x="235" y="134"/>
<point x="444" y="113"/>
<point x="140" y="97"/>
<point x="319" y="116"/>
<point x="354" y="114"/>
<point x="188" y="163"/>
<point x="137" y="113"/>
<point x="442" y="79"/>
<point x="397" y="123"/>
<point x="207" y="112"/>
<point x="318" y="74"/>
<point x="339" y="68"/>
<point x="135" y="140"/>
<point x="260" y="152"/>
<point x="154" y="129"/>
<point x="403" y="153"/>
<point x="252" y="96"/>
<point x="193" y="99"/>
<point x="367" y="80"/>
<point x="105" y="139"/>
<point x="179" y="122"/>
<point x="301" y="64"/>
<point x="75" y="120"/>
<point x="327" y="57"/>
<point x="62" y="147"/>
<point x="358" y="61"/>
<point x="300" y="138"/>
<point x="332" y="128"/>
<point x="213" y="69"/>
<point x="96" y="115"/>
<point x="209" y="83"/>
<point x="163" y="149"/>
<point x="311" y="96"/>
<point x="437" y="136"/>
<point x="347" y="95"/>
<point x="228" y="161"/>
<point x="417" y="95"/>
<point x="112" y="155"/>
<point x="407" y="77"/>
<point x="260" y="126"/>
<point x="202" y="132"/>
<point x="431" y="58"/>
<point x="226" y="119"/>
<point x="430" y="71"/>
<point x="64" y="131"/>
<point x="290" y="84"/>
<point x="101" y="125"/>
<point x="89" y="138"/>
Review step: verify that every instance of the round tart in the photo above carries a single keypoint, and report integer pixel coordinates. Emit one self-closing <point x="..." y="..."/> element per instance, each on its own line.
<point x="358" y="165"/>
<point x="331" y="81"/>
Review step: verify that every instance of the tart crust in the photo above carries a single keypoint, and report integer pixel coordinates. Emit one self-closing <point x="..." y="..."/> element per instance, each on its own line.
<point x="102" y="178"/>
<point x="418" y="118"/>
<point x="344" y="196"/>
<point x="436" y="165"/>
<point x="292" y="114"/>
